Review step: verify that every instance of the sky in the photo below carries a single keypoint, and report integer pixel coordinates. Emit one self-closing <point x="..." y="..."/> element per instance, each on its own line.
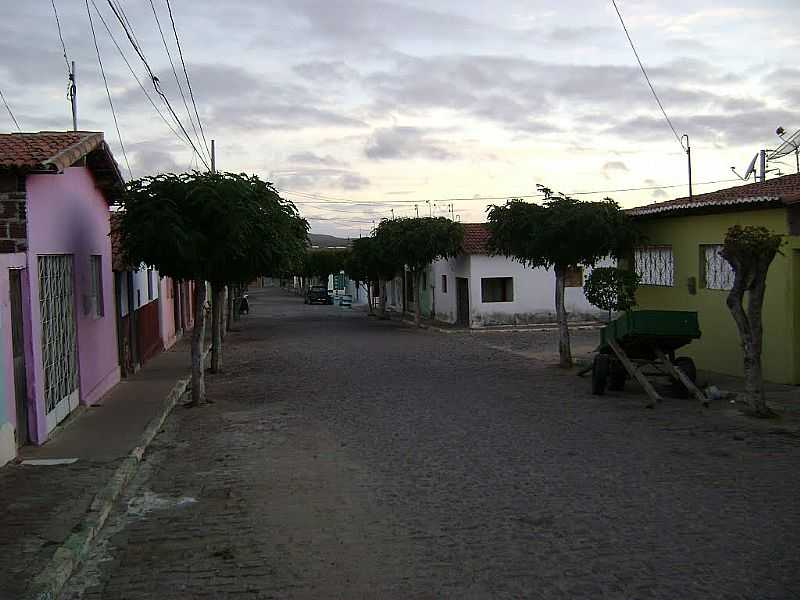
<point x="360" y="109"/>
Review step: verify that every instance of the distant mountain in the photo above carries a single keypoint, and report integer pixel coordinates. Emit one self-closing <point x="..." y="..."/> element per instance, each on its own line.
<point x="320" y="240"/>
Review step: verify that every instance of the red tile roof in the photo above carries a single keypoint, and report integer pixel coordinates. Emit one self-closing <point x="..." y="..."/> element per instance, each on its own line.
<point x="54" y="151"/>
<point x="476" y="238"/>
<point x="781" y="190"/>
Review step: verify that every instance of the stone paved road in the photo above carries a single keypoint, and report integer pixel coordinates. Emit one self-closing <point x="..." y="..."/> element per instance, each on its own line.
<point x="349" y="458"/>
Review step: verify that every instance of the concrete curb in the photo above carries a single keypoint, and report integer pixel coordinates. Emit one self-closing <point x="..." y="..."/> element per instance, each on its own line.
<point x="69" y="555"/>
<point x="520" y="329"/>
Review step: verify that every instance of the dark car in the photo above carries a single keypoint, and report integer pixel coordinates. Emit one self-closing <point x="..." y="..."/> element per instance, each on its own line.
<point x="318" y="294"/>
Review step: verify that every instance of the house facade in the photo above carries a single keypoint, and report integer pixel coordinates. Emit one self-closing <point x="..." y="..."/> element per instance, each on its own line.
<point x="475" y="289"/>
<point x="59" y="342"/>
<point x="681" y="269"/>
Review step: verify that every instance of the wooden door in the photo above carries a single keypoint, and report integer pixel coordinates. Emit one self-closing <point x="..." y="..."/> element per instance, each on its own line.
<point x="18" y="352"/>
<point x="462" y="301"/>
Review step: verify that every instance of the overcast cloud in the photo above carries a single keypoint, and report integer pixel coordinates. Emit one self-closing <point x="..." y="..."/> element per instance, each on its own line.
<point x="359" y="100"/>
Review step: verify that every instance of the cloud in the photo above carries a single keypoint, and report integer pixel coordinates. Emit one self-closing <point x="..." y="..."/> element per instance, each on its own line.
<point x="309" y="158"/>
<point x="615" y="165"/>
<point x="404" y="143"/>
<point x="153" y="157"/>
<point x="318" y="179"/>
<point x="659" y="194"/>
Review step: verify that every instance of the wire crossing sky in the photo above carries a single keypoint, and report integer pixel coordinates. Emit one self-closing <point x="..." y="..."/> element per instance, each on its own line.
<point x="372" y="102"/>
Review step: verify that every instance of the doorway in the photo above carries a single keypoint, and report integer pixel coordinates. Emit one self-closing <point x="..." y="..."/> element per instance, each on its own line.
<point x="59" y="337"/>
<point x="462" y="301"/>
<point x="18" y="352"/>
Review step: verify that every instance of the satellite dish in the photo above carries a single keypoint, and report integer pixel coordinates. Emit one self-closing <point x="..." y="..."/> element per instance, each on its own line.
<point x="751" y="168"/>
<point x="789" y="145"/>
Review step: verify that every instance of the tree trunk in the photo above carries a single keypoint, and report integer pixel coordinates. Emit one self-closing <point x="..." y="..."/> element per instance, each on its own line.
<point x="198" y="339"/>
<point x="370" y="310"/>
<point x="749" y="324"/>
<point x="223" y="307"/>
<point x="237" y="292"/>
<point x="382" y="300"/>
<point x="417" y="278"/>
<point x="217" y="300"/>
<point x="564" y="353"/>
<point x="229" y="308"/>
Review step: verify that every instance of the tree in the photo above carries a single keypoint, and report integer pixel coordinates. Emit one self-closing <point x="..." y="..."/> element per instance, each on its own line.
<point x="319" y="263"/>
<point x="416" y="243"/>
<point x="367" y="263"/>
<point x="562" y="233"/>
<point x="750" y="251"/>
<point x="611" y="289"/>
<point x="216" y="227"/>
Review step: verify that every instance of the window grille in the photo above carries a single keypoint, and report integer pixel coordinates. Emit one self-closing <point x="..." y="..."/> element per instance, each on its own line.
<point x="95" y="305"/>
<point x="497" y="289"/>
<point x="717" y="272"/>
<point x="655" y="265"/>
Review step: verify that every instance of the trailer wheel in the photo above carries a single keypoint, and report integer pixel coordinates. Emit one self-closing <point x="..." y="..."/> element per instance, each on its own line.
<point x="617" y="376"/>
<point x="685" y="364"/>
<point x="600" y="374"/>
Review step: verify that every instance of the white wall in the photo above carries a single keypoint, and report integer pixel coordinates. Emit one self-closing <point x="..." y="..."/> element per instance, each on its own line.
<point x="446" y="309"/>
<point x="140" y="295"/>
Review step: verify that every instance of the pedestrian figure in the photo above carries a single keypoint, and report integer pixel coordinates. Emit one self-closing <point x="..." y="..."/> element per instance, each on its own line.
<point x="244" y="306"/>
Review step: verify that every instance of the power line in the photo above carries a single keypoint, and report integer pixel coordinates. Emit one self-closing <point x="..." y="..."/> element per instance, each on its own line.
<point x="133" y="73"/>
<point x="131" y="38"/>
<point x="11" y="114"/>
<point x="60" y="36"/>
<point x="647" y="78"/>
<point x="108" y="92"/>
<point x="323" y="200"/>
<point x="186" y="74"/>
<point x="174" y="71"/>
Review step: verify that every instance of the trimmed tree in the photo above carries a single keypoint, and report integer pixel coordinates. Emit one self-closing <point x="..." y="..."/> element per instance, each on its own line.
<point x="562" y="234"/>
<point x="216" y="227"/>
<point x="611" y="289"/>
<point x="367" y="264"/>
<point x="750" y="251"/>
<point x="320" y="263"/>
<point x="416" y="243"/>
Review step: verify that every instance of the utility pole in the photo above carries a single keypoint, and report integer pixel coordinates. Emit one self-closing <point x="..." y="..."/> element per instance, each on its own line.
<point x="416" y="209"/>
<point x="688" y="150"/>
<point x="762" y="164"/>
<point x="213" y="158"/>
<point x="73" y="97"/>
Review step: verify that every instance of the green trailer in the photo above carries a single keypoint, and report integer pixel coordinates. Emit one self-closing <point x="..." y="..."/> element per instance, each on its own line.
<point x="641" y="344"/>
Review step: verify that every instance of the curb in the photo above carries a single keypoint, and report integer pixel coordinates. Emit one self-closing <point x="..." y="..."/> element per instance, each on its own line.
<point x="69" y="555"/>
<point x="520" y="329"/>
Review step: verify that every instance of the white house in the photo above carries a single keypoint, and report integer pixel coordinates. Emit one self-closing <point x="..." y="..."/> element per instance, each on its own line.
<point x="477" y="290"/>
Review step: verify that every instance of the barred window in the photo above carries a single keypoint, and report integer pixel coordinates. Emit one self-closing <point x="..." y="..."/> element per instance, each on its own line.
<point x="655" y="265"/>
<point x="717" y="272"/>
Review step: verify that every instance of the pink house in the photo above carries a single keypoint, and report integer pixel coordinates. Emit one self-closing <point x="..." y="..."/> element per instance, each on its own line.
<point x="57" y="323"/>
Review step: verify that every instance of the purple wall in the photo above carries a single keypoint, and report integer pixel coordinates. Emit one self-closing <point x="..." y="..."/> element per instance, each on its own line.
<point x="67" y="214"/>
<point x="167" y="307"/>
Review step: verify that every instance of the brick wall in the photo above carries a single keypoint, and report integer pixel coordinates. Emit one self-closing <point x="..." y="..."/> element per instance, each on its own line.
<point x="13" y="218"/>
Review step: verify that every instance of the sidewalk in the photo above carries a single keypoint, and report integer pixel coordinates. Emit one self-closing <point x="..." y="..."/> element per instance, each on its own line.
<point x="50" y="513"/>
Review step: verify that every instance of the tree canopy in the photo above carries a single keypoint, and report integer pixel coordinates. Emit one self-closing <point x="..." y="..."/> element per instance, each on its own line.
<point x="218" y="227"/>
<point x="611" y="289"/>
<point x="323" y="262"/>
<point x="563" y="232"/>
<point x="367" y="261"/>
<point x="417" y="242"/>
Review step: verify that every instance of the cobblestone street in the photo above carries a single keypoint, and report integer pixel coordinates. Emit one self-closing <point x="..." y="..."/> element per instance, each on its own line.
<point x="346" y="457"/>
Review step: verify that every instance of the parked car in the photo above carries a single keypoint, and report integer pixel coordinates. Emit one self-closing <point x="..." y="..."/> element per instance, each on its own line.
<point x="318" y="294"/>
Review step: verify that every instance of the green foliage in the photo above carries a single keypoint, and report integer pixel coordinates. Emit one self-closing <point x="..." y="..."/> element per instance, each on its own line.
<point x="367" y="262"/>
<point x="611" y="289"/>
<point x="562" y="232"/>
<point x="321" y="263"/>
<point x="750" y="250"/>
<point x="417" y="242"/>
<point x="220" y="227"/>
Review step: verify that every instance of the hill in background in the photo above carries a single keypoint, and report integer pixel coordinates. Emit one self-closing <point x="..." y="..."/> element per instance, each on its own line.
<point x="321" y="240"/>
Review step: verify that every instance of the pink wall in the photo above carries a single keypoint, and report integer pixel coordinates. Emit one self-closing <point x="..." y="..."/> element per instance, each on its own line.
<point x="67" y="214"/>
<point x="166" y="295"/>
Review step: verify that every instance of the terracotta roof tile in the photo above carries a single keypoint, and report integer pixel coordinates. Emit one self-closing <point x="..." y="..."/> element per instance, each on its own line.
<point x="46" y="150"/>
<point x="784" y="190"/>
<point x="476" y="238"/>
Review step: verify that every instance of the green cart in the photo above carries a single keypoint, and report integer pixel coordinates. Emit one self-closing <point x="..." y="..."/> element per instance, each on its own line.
<point x="642" y="344"/>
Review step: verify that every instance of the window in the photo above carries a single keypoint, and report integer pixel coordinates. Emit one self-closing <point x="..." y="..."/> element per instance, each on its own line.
<point x="94" y="306"/>
<point x="149" y="284"/>
<point x="574" y="277"/>
<point x="655" y="265"/>
<point x="497" y="289"/>
<point x="717" y="272"/>
<point x="444" y="284"/>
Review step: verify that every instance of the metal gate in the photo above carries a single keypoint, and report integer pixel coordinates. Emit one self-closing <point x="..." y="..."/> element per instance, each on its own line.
<point x="59" y="349"/>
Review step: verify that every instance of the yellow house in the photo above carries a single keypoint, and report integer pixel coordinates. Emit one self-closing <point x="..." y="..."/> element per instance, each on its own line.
<point x="681" y="269"/>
